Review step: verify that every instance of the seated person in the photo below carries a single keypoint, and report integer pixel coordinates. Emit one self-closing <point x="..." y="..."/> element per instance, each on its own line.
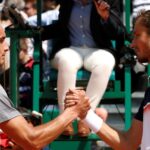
<point x="84" y="31"/>
<point x="139" y="132"/>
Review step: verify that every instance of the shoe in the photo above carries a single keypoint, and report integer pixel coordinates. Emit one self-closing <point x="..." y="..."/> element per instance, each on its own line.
<point x="68" y="130"/>
<point x="83" y="129"/>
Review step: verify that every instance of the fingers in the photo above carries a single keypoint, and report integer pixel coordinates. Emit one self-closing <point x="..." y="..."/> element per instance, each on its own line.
<point x="77" y="90"/>
<point x="102" y="8"/>
<point x="70" y="104"/>
<point x="78" y="101"/>
<point x="104" y="5"/>
<point x="83" y="114"/>
<point x="71" y="99"/>
<point x="76" y="97"/>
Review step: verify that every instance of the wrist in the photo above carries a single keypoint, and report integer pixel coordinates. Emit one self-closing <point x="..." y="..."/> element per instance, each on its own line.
<point x="93" y="121"/>
<point x="71" y="112"/>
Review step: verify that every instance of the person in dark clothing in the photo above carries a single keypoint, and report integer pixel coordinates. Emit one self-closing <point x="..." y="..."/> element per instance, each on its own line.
<point x="83" y="35"/>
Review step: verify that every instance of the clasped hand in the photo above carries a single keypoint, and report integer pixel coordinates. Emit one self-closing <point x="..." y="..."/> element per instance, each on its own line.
<point x="103" y="8"/>
<point x="78" y="101"/>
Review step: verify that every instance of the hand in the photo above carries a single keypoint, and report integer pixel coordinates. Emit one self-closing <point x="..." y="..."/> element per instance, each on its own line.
<point x="85" y="107"/>
<point x="71" y="98"/>
<point x="102" y="8"/>
<point x="76" y="99"/>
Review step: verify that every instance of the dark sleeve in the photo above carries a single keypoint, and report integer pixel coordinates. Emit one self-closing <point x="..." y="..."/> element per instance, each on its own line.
<point x="139" y="114"/>
<point x="146" y="100"/>
<point x="50" y="31"/>
<point x="59" y="27"/>
<point x="114" y="23"/>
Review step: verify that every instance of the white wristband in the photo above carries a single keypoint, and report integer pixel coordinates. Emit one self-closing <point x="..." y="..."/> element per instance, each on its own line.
<point x="93" y="121"/>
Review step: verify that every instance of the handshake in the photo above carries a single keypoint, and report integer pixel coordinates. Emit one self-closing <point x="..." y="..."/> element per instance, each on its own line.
<point x="78" y="101"/>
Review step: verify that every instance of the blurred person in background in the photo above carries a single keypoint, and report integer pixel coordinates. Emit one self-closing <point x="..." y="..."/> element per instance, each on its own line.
<point x="84" y="31"/>
<point x="50" y="5"/>
<point x="49" y="16"/>
<point x="30" y="7"/>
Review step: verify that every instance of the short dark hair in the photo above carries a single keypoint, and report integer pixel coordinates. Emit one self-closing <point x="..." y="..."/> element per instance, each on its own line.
<point x="144" y="17"/>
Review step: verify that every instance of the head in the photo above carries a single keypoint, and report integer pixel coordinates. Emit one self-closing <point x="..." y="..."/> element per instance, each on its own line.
<point x="30" y="8"/>
<point x="3" y="46"/>
<point x="49" y="4"/>
<point x="19" y="4"/>
<point x="141" y="36"/>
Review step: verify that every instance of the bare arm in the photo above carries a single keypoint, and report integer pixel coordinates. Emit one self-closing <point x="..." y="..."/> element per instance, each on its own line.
<point x="118" y="140"/>
<point x="122" y="140"/>
<point x="36" y="137"/>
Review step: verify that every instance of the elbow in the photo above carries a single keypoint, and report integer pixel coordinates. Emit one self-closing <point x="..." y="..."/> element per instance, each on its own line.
<point x="32" y="143"/>
<point x="32" y="146"/>
<point x="38" y="141"/>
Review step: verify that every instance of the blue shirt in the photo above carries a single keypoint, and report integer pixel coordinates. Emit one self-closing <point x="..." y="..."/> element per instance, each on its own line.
<point x="46" y="18"/>
<point x="79" y="25"/>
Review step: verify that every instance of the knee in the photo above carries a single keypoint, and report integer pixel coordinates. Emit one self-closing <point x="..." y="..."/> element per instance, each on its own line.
<point x="100" y="63"/>
<point x="68" y="61"/>
<point x="105" y="65"/>
<point x="107" y="62"/>
<point x="102" y="69"/>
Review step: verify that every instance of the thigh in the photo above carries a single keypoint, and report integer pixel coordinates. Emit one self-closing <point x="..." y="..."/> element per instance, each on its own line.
<point x="99" y="58"/>
<point x="67" y="56"/>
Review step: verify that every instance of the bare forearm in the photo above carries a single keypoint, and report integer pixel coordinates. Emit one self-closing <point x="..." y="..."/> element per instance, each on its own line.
<point x="46" y="133"/>
<point x="116" y="139"/>
<point x="34" y="138"/>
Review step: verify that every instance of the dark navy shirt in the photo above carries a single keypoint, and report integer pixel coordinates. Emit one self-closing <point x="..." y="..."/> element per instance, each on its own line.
<point x="79" y="25"/>
<point x="146" y="100"/>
